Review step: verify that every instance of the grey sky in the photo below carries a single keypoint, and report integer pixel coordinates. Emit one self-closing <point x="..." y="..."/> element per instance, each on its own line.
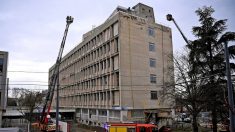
<point x="31" y="31"/>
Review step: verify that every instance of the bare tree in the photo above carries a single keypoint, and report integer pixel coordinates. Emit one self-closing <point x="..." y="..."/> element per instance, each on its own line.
<point x="188" y="87"/>
<point x="28" y="101"/>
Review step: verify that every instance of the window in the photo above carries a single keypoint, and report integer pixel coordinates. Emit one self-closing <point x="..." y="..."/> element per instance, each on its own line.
<point x="116" y="45"/>
<point x="153" y="78"/>
<point x="108" y="96"/>
<point x="1" y="65"/>
<point x="101" y="51"/>
<point x="104" y="96"/>
<point x="152" y="62"/>
<point x="108" y="47"/>
<point x="104" y="64"/>
<point x="115" y="29"/>
<point x="108" y="61"/>
<point x="101" y="82"/>
<point x="151" y="47"/>
<point x="94" y="54"/>
<point x="105" y="80"/>
<point x="151" y="31"/>
<point x="101" y="96"/>
<point x="103" y="112"/>
<point x="153" y="94"/>
<point x="101" y="63"/>
<point x="143" y="129"/>
<point x="117" y="77"/>
<point x="104" y="49"/>
<point x="130" y="129"/>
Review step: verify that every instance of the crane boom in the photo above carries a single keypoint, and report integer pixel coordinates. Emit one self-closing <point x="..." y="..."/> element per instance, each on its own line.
<point x="54" y="81"/>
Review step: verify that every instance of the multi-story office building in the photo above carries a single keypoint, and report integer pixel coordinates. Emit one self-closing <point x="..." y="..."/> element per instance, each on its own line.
<point x="3" y="82"/>
<point x="117" y="73"/>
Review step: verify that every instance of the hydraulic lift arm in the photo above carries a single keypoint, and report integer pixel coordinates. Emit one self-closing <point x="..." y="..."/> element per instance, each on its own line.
<point x="55" y="76"/>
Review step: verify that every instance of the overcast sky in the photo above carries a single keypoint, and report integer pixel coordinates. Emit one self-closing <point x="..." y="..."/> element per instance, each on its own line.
<point x="31" y="31"/>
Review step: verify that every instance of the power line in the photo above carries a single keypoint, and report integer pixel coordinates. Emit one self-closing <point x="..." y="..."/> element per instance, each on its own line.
<point x="82" y="91"/>
<point x="90" y="85"/>
<point x="30" y="81"/>
<point x="75" y="73"/>
<point x="77" y="85"/>
<point x="28" y="71"/>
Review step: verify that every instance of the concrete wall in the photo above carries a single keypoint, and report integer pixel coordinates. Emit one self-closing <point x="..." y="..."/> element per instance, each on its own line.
<point x="3" y="82"/>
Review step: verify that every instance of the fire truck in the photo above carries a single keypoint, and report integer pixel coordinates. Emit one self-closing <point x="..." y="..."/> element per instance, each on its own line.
<point x="45" y="123"/>
<point x="132" y="127"/>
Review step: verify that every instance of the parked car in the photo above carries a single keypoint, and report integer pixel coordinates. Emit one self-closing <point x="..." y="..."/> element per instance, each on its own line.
<point x="183" y="117"/>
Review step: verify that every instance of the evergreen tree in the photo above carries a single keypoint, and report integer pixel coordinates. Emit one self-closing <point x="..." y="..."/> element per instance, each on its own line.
<point x="207" y="58"/>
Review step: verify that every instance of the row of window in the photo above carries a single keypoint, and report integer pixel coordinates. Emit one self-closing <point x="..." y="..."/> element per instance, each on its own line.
<point x="101" y="50"/>
<point x="102" y="96"/>
<point x="152" y="61"/>
<point x="95" y="54"/>
<point x="99" y="66"/>
<point x="100" y="82"/>
<point x="101" y="38"/>
<point x="110" y="80"/>
<point x="105" y="48"/>
<point x="94" y="71"/>
<point x="87" y="99"/>
<point x="105" y="81"/>
<point x="112" y="113"/>
<point x="83" y="68"/>
<point x="106" y="64"/>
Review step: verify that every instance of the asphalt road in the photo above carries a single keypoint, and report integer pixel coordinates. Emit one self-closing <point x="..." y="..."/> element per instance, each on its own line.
<point x="75" y="128"/>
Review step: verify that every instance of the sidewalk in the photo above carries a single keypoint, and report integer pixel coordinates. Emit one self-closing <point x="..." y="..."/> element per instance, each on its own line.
<point x="75" y="128"/>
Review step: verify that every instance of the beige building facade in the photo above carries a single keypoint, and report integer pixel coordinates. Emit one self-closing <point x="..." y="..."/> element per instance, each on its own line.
<point x="118" y="72"/>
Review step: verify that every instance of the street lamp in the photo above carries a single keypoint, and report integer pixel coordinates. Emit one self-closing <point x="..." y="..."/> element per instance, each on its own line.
<point x="229" y="83"/>
<point x="230" y="89"/>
